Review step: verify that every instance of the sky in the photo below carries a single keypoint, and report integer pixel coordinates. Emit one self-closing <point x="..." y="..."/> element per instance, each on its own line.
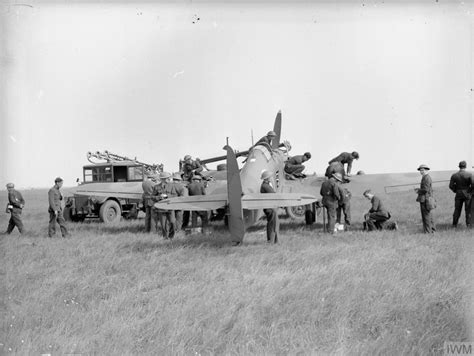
<point x="392" y="80"/>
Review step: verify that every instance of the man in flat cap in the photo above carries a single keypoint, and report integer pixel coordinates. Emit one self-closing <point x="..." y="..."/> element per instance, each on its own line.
<point x="461" y="184"/>
<point x="14" y="207"/>
<point x="294" y="166"/>
<point x="425" y="192"/>
<point x="330" y="191"/>
<point x="55" y="210"/>
<point x="346" y="158"/>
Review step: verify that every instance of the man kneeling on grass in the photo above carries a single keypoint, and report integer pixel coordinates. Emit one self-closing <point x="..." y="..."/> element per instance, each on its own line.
<point x="377" y="215"/>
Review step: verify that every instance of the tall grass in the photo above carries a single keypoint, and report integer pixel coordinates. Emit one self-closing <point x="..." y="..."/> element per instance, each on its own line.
<point x="116" y="290"/>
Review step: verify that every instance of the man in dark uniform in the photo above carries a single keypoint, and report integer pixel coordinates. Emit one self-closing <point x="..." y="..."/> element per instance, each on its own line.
<point x="271" y="214"/>
<point x="55" y="210"/>
<point x="461" y="184"/>
<point x="14" y="207"/>
<point x="346" y="158"/>
<point x="377" y="214"/>
<point x="344" y="206"/>
<point x="148" y="201"/>
<point x="336" y="167"/>
<point x="424" y="192"/>
<point x="331" y="197"/>
<point x="294" y="166"/>
<point x="191" y="167"/>
<point x="196" y="187"/>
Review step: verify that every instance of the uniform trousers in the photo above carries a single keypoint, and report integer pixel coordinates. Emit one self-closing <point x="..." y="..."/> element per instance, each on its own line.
<point x="427" y="218"/>
<point x="52" y="223"/>
<point x="168" y="223"/>
<point x="331" y="213"/>
<point x="272" y="224"/>
<point x="294" y="168"/>
<point x="375" y="220"/>
<point x="346" y="209"/>
<point x="459" y="200"/>
<point x="204" y="219"/>
<point x="15" y="220"/>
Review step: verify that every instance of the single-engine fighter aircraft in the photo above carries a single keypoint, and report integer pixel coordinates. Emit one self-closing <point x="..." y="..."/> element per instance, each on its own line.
<point x="240" y="194"/>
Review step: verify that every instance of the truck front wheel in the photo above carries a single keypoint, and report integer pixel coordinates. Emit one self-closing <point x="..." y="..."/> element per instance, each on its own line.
<point x="110" y="212"/>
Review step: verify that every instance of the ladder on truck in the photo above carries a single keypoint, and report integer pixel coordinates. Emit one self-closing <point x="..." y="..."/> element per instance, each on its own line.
<point x="113" y="157"/>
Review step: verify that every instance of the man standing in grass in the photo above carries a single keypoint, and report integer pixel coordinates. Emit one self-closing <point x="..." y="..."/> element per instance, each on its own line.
<point x="461" y="185"/>
<point x="330" y="191"/>
<point x="14" y="207"/>
<point x="55" y="210"/>
<point x="424" y="193"/>
<point x="271" y="214"/>
<point x="377" y="214"/>
<point x="344" y="206"/>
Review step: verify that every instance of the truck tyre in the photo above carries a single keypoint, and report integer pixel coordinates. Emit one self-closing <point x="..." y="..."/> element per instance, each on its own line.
<point x="296" y="212"/>
<point x="67" y="213"/>
<point x="110" y="212"/>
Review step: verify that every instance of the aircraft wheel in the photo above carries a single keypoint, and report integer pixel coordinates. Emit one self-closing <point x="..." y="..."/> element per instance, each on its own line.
<point x="296" y="212"/>
<point x="110" y="212"/>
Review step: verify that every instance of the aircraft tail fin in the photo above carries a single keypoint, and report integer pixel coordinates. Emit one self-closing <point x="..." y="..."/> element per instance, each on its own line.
<point x="234" y="191"/>
<point x="277" y="129"/>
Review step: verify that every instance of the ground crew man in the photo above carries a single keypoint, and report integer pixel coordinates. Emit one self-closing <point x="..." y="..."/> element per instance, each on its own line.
<point x="294" y="166"/>
<point x="271" y="214"/>
<point x="424" y="192"/>
<point x="377" y="214"/>
<point x="55" y="210"/>
<point x="182" y="191"/>
<point x="191" y="167"/>
<point x="267" y="139"/>
<point x="461" y="184"/>
<point x="196" y="187"/>
<point x="344" y="206"/>
<point x="331" y="197"/>
<point x="14" y="207"/>
<point x="165" y="190"/>
<point x="346" y="158"/>
<point x="148" y="202"/>
<point x="336" y="167"/>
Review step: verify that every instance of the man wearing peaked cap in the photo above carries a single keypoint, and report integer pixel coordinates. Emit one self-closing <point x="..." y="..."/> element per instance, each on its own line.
<point x="294" y="166"/>
<point x="271" y="214"/>
<point x="461" y="184"/>
<point x="14" y="207"/>
<point x="425" y="192"/>
<point x="55" y="210"/>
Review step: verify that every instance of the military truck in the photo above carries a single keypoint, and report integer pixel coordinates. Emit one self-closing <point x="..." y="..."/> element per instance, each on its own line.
<point x="109" y="190"/>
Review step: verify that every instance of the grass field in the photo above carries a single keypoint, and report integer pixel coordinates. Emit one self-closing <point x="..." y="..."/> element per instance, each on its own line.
<point x="111" y="290"/>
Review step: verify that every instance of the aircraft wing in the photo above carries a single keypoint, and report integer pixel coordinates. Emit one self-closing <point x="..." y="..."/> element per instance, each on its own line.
<point x="194" y="203"/>
<point x="267" y="201"/>
<point x="385" y="182"/>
